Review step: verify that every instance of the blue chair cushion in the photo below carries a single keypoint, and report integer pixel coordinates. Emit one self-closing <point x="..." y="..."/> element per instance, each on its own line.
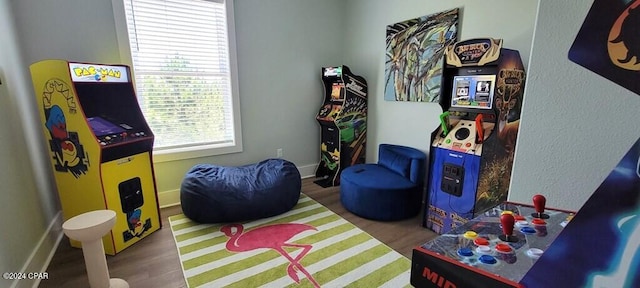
<point x="217" y="194"/>
<point x="375" y="177"/>
<point x="406" y="161"/>
<point x="398" y="163"/>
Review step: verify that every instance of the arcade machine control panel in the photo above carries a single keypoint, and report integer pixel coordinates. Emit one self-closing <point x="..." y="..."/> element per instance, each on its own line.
<point x="495" y="249"/>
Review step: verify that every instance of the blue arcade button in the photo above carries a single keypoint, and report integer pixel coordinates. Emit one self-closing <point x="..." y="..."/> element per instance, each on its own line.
<point x="488" y="259"/>
<point x="527" y="230"/>
<point x="465" y="252"/>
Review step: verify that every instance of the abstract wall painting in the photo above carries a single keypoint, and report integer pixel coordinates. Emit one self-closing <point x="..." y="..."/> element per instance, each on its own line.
<point x="415" y="56"/>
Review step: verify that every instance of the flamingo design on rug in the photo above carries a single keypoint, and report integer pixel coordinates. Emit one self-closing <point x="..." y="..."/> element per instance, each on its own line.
<point x="274" y="237"/>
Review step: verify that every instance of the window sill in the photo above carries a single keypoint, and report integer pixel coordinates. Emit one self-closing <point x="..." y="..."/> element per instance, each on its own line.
<point x="194" y="152"/>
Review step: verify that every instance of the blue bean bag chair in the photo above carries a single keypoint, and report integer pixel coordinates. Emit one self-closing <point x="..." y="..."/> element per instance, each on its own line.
<point x="217" y="194"/>
<point x="388" y="190"/>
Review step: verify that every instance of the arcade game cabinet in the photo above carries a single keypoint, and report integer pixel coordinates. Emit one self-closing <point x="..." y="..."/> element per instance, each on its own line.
<point x="343" y="123"/>
<point x="100" y="146"/>
<point x="472" y="151"/>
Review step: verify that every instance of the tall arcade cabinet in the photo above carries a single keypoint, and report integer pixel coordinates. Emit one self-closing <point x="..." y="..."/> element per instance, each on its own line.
<point x="472" y="151"/>
<point x="343" y="123"/>
<point x="100" y="146"/>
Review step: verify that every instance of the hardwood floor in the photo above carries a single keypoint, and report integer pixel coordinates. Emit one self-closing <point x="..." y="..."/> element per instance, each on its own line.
<point x="154" y="262"/>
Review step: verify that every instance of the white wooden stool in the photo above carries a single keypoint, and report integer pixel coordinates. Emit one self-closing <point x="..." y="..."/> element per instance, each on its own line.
<point x="88" y="228"/>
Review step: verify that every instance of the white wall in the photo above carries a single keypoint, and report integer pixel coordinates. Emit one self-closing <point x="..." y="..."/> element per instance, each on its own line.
<point x="27" y="202"/>
<point x="575" y="125"/>
<point x="411" y="124"/>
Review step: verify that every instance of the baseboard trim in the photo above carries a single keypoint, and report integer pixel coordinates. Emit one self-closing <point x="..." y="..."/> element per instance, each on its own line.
<point x="172" y="197"/>
<point x="308" y="171"/>
<point x="169" y="198"/>
<point x="42" y="254"/>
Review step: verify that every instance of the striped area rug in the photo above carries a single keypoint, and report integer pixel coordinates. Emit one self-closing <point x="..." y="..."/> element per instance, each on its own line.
<point x="324" y="251"/>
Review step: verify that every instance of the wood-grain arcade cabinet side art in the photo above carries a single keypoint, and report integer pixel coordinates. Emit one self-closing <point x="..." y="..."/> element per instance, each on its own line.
<point x="100" y="146"/>
<point x="343" y="123"/>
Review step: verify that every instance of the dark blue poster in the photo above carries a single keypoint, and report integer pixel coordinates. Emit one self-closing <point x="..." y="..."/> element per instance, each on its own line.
<point x="608" y="42"/>
<point x="600" y="247"/>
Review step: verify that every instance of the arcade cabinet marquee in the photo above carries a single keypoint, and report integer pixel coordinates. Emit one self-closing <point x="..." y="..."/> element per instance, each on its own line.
<point x="100" y="146"/>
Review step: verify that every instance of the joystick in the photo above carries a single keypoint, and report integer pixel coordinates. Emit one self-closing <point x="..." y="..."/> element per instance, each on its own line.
<point x="539" y="203"/>
<point x="507" y="222"/>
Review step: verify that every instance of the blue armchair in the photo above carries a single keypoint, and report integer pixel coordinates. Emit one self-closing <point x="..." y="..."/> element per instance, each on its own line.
<point x="389" y="190"/>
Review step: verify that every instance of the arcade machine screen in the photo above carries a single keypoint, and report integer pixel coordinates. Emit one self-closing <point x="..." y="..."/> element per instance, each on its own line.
<point x="336" y="91"/>
<point x="102" y="127"/>
<point x="473" y="91"/>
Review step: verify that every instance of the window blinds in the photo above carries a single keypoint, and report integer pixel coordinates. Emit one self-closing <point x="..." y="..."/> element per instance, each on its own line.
<point x="181" y="66"/>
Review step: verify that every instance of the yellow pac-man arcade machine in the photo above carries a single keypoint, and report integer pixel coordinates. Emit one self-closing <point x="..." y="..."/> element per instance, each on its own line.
<point x="100" y="145"/>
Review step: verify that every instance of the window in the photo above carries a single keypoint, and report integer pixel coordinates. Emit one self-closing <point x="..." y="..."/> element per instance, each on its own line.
<point x="182" y="54"/>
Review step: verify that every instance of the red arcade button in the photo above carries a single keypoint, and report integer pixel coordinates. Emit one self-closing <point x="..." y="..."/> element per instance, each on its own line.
<point x="481" y="241"/>
<point x="503" y="248"/>
<point x="538" y="221"/>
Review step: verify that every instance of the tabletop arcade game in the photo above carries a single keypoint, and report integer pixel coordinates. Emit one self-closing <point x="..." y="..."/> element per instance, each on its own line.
<point x="495" y="249"/>
<point x="598" y="247"/>
<point x="472" y="150"/>
<point x="343" y="123"/>
<point x="100" y="146"/>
